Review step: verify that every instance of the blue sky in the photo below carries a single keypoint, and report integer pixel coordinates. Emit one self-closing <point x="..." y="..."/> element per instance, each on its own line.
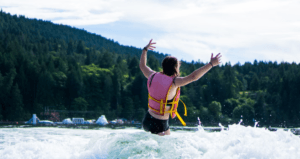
<point x="242" y="30"/>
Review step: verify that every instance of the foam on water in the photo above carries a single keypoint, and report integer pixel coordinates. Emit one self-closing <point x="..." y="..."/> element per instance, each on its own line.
<point x="237" y="142"/>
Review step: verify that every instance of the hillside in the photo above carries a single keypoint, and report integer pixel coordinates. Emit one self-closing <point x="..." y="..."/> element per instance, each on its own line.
<point x="37" y="30"/>
<point x="49" y="69"/>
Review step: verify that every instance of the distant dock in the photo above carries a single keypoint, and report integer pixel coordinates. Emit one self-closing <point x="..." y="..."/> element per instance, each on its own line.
<point x="209" y="129"/>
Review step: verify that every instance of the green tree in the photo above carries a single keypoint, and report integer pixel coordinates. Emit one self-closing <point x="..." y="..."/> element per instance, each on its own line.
<point x="45" y="89"/>
<point x="108" y="88"/>
<point x="259" y="106"/>
<point x="6" y="87"/>
<point x="81" y="47"/>
<point x="215" y="109"/>
<point x="70" y="50"/>
<point x="255" y="84"/>
<point x="140" y="113"/>
<point x="205" y="115"/>
<point x="1" y="95"/>
<point x="92" y="91"/>
<point x="116" y="82"/>
<point x="89" y="59"/>
<point x="229" y="105"/>
<point x="79" y="104"/>
<point x="153" y="63"/>
<point x="14" y="111"/>
<point x="244" y="111"/>
<point x="230" y="82"/>
<point x="107" y="60"/>
<point x="128" y="106"/>
<point x="134" y="66"/>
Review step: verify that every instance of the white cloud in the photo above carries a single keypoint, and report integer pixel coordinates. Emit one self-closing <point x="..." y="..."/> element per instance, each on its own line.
<point x="242" y="30"/>
<point x="91" y="19"/>
<point x="75" y="12"/>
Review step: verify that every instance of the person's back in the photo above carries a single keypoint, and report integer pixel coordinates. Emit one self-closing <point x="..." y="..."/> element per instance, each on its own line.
<point x="164" y="90"/>
<point x="161" y="86"/>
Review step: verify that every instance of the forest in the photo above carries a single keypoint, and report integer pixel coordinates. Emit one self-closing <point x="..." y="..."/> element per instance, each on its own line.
<point x="57" y="71"/>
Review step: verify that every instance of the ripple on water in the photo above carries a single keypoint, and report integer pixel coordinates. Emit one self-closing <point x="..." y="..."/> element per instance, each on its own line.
<point x="237" y="142"/>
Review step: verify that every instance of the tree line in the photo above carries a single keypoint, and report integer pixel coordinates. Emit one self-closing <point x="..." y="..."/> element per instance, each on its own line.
<point x="48" y="67"/>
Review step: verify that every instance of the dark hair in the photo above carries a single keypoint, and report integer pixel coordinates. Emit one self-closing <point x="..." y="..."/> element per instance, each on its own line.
<point x="169" y="65"/>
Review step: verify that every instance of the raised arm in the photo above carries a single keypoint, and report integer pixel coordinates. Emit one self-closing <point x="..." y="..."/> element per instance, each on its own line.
<point x="144" y="68"/>
<point x="194" y="76"/>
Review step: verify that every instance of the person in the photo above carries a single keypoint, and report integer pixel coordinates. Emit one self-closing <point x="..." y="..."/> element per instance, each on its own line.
<point x="164" y="90"/>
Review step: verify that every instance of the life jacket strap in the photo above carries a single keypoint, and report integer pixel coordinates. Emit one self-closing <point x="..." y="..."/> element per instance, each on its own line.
<point x="162" y="104"/>
<point x="180" y="119"/>
<point x="185" y="111"/>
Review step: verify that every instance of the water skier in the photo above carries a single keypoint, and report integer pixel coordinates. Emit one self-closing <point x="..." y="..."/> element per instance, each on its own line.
<point x="164" y="90"/>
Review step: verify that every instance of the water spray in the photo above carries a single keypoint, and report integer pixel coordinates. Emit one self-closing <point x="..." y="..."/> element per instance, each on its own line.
<point x="199" y="125"/>
<point x="222" y="127"/>
<point x="256" y="124"/>
<point x="199" y="122"/>
<point x="240" y="122"/>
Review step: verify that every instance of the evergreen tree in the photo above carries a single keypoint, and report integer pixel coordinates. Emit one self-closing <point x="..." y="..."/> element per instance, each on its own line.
<point x="244" y="111"/>
<point x="215" y="109"/>
<point x="79" y="104"/>
<point x="81" y="47"/>
<point x="7" y="84"/>
<point x="259" y="106"/>
<point x="134" y="66"/>
<point x="14" y="111"/>
<point x="128" y="112"/>
<point x="106" y="60"/>
<point x="230" y="82"/>
<point x="1" y="96"/>
<point x="116" y="83"/>
<point x="73" y="85"/>
<point x="70" y="50"/>
<point x="88" y="59"/>
<point x="255" y="84"/>
<point x="153" y="63"/>
<point x="229" y="106"/>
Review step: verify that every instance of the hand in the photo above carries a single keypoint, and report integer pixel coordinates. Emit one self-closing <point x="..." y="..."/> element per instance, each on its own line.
<point x="215" y="60"/>
<point x="149" y="46"/>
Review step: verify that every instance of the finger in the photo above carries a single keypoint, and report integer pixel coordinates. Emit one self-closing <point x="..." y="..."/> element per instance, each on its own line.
<point x="218" y="54"/>
<point x="153" y="43"/>
<point x="150" y="49"/>
<point x="150" y="41"/>
<point x="212" y="55"/>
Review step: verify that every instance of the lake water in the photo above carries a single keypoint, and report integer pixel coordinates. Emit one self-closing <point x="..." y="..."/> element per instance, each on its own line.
<point x="58" y="143"/>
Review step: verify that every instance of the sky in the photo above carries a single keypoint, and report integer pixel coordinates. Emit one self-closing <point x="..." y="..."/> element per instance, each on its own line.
<point x="241" y="30"/>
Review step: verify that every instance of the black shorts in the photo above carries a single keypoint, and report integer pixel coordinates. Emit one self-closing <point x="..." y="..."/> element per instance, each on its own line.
<point x="154" y="125"/>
